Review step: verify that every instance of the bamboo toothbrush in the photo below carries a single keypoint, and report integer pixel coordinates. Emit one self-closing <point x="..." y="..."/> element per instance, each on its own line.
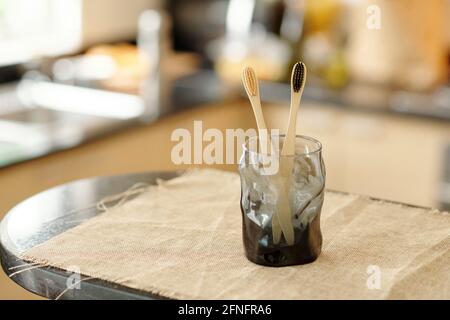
<point x="252" y="88"/>
<point x="298" y="79"/>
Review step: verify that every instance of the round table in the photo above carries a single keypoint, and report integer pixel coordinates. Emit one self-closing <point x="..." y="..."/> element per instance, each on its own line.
<point x="52" y="212"/>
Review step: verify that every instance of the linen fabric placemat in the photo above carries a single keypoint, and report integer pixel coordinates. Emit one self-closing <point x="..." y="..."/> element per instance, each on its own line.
<point x="183" y="239"/>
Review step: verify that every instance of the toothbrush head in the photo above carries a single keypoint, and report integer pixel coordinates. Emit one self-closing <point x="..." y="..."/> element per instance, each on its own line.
<point x="250" y="81"/>
<point x="298" y="78"/>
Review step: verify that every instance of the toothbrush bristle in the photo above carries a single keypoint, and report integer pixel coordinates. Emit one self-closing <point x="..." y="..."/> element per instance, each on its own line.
<point x="250" y="81"/>
<point x="298" y="76"/>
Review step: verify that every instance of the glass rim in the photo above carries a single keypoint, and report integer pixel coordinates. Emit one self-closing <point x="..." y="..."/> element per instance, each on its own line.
<point x="317" y="144"/>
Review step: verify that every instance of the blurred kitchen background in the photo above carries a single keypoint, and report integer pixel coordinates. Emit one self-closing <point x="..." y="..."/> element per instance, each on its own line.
<point x="95" y="87"/>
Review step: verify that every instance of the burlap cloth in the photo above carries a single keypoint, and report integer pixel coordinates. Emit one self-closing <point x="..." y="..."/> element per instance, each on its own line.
<point x="182" y="239"/>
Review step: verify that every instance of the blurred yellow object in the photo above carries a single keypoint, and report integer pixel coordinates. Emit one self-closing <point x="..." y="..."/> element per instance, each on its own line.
<point x="336" y="73"/>
<point x="230" y="71"/>
<point x="132" y="67"/>
<point x="125" y="55"/>
<point x="320" y="15"/>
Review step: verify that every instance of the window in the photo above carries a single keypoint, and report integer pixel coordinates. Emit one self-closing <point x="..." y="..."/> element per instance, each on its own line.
<point x="30" y="28"/>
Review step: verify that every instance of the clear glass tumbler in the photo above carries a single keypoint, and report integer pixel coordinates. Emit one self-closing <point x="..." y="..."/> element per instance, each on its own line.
<point x="281" y="208"/>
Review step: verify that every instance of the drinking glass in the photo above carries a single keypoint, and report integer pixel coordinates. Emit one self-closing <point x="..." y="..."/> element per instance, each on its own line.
<point x="275" y="185"/>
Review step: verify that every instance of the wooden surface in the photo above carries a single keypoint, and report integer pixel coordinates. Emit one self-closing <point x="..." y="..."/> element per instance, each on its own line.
<point x="383" y="156"/>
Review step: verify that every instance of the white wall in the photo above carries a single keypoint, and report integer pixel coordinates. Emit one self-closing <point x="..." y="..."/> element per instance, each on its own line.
<point x="112" y="20"/>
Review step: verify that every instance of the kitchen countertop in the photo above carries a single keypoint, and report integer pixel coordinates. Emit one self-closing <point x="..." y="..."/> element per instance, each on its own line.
<point x="40" y="130"/>
<point x="59" y="117"/>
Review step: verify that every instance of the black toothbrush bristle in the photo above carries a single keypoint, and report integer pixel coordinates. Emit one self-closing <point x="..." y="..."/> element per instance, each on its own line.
<point x="298" y="76"/>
